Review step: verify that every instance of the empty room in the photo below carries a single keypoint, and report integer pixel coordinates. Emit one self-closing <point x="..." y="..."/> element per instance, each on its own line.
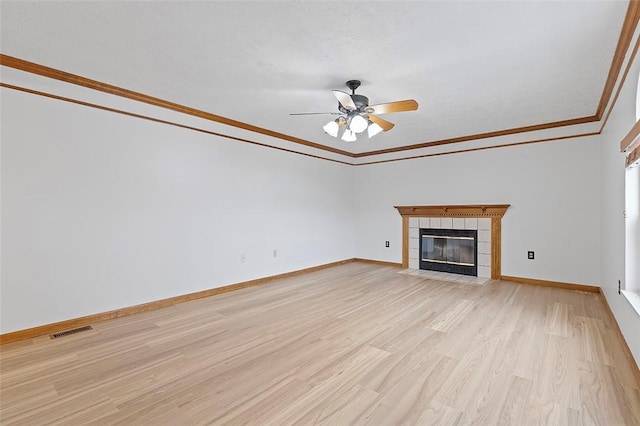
<point x="337" y="213"/>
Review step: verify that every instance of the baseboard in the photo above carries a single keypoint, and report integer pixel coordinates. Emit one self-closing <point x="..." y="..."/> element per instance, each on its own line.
<point x="634" y="365"/>
<point x="555" y="284"/>
<point x="117" y="313"/>
<point x="379" y="262"/>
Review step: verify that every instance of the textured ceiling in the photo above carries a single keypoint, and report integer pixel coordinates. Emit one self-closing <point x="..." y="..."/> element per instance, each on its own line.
<point x="473" y="67"/>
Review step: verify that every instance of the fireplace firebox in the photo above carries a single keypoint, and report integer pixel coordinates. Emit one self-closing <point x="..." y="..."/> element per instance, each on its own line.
<point x="449" y="250"/>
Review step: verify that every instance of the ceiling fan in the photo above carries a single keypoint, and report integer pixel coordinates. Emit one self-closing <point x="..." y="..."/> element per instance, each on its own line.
<point x="356" y="115"/>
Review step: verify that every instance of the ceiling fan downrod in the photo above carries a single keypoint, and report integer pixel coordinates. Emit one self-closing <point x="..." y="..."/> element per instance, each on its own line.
<point x="353" y="85"/>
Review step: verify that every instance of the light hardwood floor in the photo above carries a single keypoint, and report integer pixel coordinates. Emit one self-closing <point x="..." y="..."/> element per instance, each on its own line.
<point x="354" y="344"/>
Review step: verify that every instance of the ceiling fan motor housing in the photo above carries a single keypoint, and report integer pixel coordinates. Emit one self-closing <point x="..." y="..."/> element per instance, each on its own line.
<point x="361" y="102"/>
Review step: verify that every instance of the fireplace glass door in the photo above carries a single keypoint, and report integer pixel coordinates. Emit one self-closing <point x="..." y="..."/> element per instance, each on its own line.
<point x="449" y="250"/>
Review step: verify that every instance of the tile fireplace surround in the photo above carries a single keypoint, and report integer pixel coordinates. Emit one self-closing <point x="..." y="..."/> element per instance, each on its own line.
<point x="485" y="218"/>
<point x="482" y="225"/>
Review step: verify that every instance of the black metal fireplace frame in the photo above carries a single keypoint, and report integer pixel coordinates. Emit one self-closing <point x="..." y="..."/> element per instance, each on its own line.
<point x="447" y="267"/>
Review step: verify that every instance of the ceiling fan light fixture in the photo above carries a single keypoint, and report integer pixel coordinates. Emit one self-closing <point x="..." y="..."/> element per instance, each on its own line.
<point x="358" y="124"/>
<point x="373" y="129"/>
<point x="331" y="128"/>
<point x="349" y="136"/>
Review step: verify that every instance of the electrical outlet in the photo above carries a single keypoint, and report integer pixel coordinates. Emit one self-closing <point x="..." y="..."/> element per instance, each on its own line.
<point x="243" y="258"/>
<point x="531" y="255"/>
<point x="275" y="253"/>
<point x="386" y="243"/>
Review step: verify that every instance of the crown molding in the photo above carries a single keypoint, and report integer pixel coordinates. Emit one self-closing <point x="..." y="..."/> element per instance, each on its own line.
<point x="44" y="71"/>
<point x="626" y="35"/>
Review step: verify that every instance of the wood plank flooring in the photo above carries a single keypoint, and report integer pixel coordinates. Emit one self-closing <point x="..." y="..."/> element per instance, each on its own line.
<point x="354" y="344"/>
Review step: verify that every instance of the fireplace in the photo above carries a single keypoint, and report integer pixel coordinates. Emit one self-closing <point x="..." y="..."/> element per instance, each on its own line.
<point x="449" y="250"/>
<point x="485" y="218"/>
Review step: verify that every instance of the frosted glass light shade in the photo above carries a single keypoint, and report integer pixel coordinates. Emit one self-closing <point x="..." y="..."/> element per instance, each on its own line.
<point x="331" y="128"/>
<point x="374" y="129"/>
<point x="358" y="124"/>
<point x="349" y="136"/>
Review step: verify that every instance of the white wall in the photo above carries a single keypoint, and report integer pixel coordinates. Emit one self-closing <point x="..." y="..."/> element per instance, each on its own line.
<point x="632" y="229"/>
<point x="553" y="189"/>
<point x="612" y="189"/>
<point x="102" y="211"/>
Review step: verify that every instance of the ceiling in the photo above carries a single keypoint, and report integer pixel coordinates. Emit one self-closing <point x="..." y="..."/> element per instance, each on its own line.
<point x="474" y="67"/>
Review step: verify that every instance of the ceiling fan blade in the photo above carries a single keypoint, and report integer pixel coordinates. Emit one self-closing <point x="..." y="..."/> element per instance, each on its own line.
<point x="345" y="100"/>
<point x="398" y="106"/>
<point x="314" y="113"/>
<point x="386" y="125"/>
